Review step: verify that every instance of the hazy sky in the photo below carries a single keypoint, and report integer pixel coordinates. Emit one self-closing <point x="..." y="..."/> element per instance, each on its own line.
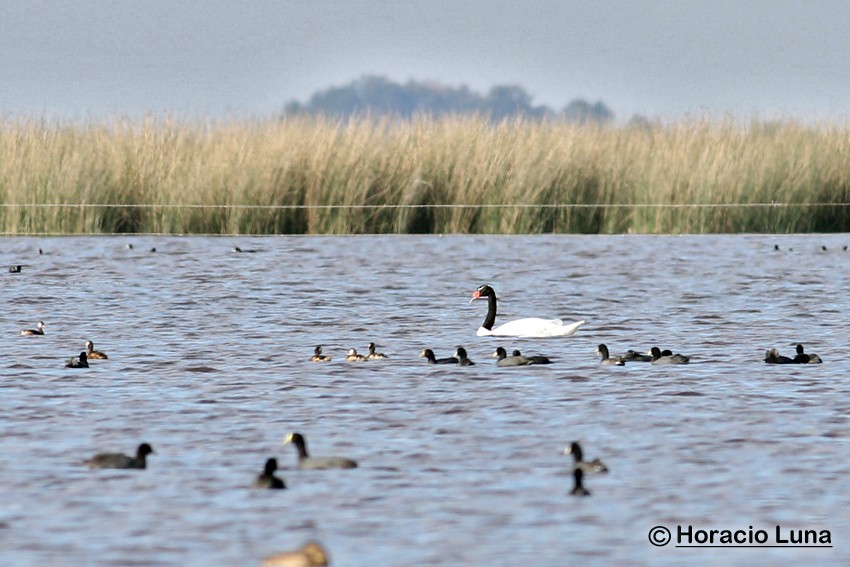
<point x="88" y="58"/>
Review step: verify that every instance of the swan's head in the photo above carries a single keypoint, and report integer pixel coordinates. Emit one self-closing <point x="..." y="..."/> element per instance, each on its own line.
<point x="482" y="292"/>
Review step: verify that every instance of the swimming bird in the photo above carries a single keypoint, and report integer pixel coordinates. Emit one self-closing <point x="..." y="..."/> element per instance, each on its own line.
<point x="594" y="466"/>
<point x="773" y="357"/>
<point x="15" y="269"/>
<point x="310" y="554"/>
<point x="92" y="354"/>
<point x="305" y="461"/>
<point x="80" y="362"/>
<point x="534" y="359"/>
<point x="803" y="358"/>
<point x="529" y="327"/>
<point x="373" y="354"/>
<point x="578" y="486"/>
<point x="318" y="356"/>
<point x="633" y="355"/>
<point x="667" y="357"/>
<point x="462" y="358"/>
<point x="38" y="331"/>
<point x="352" y="356"/>
<point x="267" y="479"/>
<point x="602" y="351"/>
<point x="432" y="359"/>
<point x="505" y="360"/>
<point x="120" y="461"/>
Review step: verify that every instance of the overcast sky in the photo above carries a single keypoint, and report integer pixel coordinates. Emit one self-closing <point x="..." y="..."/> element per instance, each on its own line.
<point x="669" y="59"/>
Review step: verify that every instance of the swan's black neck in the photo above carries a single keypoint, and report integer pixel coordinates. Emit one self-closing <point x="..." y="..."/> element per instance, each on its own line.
<point x="490" y="319"/>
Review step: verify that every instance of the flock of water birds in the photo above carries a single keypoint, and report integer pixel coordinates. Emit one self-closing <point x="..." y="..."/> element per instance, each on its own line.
<point x="313" y="554"/>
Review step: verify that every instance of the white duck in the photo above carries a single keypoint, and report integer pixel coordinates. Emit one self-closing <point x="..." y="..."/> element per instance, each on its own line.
<point x="531" y="327"/>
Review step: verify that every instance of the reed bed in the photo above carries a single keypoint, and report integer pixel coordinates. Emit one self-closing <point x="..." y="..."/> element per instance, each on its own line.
<point x="453" y="175"/>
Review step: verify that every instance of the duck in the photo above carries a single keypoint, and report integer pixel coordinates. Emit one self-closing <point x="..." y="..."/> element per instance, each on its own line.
<point x="267" y="479"/>
<point x="462" y="358"/>
<point x="39" y="330"/>
<point x="772" y="356"/>
<point x="602" y="351"/>
<point x="120" y="461"/>
<point x="311" y="554"/>
<point x="803" y="358"/>
<point x="373" y="354"/>
<point x="432" y="359"/>
<point x="92" y="354"/>
<point x="80" y="362"/>
<point x="318" y="356"/>
<point x="633" y="355"/>
<point x="504" y="360"/>
<point x="594" y="466"/>
<point x="578" y="486"/>
<point x="667" y="357"/>
<point x="305" y="461"/>
<point x="535" y="359"/>
<point x="352" y="356"/>
<point x="15" y="269"/>
<point x="531" y="327"/>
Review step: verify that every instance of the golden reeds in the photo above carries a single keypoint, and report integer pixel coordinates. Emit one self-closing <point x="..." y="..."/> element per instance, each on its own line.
<point x="450" y="175"/>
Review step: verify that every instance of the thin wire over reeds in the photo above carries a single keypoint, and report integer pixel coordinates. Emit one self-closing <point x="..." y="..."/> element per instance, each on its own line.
<point x="450" y="175"/>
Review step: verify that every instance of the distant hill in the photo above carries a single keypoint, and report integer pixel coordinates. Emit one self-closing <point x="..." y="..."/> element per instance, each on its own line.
<point x="374" y="95"/>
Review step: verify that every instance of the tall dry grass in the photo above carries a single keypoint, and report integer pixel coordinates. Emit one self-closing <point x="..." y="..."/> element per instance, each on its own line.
<point x="312" y="175"/>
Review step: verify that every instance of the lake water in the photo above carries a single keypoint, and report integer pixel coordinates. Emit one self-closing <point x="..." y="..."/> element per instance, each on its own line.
<point x="208" y="354"/>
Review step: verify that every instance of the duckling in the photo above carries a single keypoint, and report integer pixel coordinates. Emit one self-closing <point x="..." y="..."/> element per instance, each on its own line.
<point x="594" y="466"/>
<point x="318" y="356"/>
<point x="773" y="357"/>
<point x="120" y="461"/>
<point x="305" y="461"/>
<point x="267" y="479"/>
<point x="429" y="355"/>
<point x="505" y="360"/>
<point x="80" y="362"/>
<point x="667" y="357"/>
<point x="602" y="351"/>
<point x="354" y="357"/>
<point x="310" y="554"/>
<point x="803" y="358"/>
<point x="38" y="331"/>
<point x="462" y="358"/>
<point x="535" y="359"/>
<point x="578" y="486"/>
<point x="92" y="354"/>
<point x="373" y="354"/>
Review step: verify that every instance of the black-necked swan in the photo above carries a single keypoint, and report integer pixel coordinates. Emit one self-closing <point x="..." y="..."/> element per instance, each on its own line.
<point x="530" y="327"/>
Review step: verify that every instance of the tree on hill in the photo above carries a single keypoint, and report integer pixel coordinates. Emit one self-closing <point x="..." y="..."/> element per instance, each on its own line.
<point x="373" y="95"/>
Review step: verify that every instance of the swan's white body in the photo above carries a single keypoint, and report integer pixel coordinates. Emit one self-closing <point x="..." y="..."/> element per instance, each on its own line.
<point x="532" y="327"/>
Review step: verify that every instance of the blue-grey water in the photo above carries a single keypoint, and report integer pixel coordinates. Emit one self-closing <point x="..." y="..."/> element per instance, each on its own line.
<point x="208" y="354"/>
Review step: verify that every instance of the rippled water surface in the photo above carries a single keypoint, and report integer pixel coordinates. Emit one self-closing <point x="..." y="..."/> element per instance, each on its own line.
<point x="208" y="354"/>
